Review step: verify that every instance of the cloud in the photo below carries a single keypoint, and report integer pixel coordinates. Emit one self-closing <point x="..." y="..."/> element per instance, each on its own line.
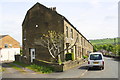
<point x="93" y="18"/>
<point x="110" y="17"/>
<point x="95" y="3"/>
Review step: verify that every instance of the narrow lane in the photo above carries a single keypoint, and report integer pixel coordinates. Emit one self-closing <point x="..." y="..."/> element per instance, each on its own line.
<point x="110" y="70"/>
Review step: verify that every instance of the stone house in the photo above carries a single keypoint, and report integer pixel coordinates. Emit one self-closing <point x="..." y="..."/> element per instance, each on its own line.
<point x="40" y="19"/>
<point x="9" y="47"/>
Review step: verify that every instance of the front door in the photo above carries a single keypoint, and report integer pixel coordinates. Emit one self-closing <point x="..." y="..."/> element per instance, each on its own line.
<point x="32" y="52"/>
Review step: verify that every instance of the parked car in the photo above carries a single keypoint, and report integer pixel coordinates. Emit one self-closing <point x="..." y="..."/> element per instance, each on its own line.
<point x="96" y="60"/>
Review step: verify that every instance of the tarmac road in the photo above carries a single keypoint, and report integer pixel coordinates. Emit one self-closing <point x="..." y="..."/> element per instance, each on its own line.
<point x="110" y="71"/>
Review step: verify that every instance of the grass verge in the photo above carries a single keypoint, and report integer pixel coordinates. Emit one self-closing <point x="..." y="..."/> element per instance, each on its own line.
<point x="41" y="69"/>
<point x="2" y="69"/>
<point x="36" y="68"/>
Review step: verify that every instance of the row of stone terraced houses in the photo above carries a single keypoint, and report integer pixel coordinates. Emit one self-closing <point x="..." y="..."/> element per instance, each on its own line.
<point x="40" y="19"/>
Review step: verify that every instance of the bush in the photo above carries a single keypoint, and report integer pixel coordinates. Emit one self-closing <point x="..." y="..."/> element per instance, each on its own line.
<point x="69" y="56"/>
<point x="21" y="52"/>
<point x="85" y="57"/>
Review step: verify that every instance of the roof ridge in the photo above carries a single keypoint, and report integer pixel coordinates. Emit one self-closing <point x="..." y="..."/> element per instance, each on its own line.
<point x="1" y="36"/>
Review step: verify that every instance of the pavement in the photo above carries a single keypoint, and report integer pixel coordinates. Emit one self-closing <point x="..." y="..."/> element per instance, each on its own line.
<point x="24" y="69"/>
<point x="27" y="73"/>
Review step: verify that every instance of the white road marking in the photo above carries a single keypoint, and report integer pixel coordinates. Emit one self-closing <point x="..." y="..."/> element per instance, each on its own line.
<point x="84" y="73"/>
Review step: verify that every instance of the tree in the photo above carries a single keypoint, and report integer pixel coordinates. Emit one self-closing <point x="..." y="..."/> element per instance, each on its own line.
<point x="109" y="47"/>
<point x="104" y="46"/>
<point x="95" y="48"/>
<point x="53" y="42"/>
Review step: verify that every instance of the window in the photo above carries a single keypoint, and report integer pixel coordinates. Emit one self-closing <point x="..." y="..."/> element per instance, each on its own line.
<point x="81" y="41"/>
<point x="77" y="38"/>
<point x="66" y="31"/>
<point x="95" y="57"/>
<point x="6" y="45"/>
<point x="67" y="45"/>
<point x="36" y="25"/>
<point x="84" y="42"/>
<point x="24" y="37"/>
<point x="75" y="48"/>
<point x="10" y="45"/>
<point x="71" y="33"/>
<point x="33" y="54"/>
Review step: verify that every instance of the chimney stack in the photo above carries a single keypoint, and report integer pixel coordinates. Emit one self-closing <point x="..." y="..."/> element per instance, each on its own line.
<point x="53" y="8"/>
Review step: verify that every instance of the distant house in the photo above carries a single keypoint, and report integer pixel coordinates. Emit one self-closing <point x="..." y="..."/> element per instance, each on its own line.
<point x="8" y="48"/>
<point x="40" y="19"/>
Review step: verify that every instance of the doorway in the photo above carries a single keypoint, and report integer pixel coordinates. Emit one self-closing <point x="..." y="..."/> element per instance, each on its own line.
<point x="32" y="53"/>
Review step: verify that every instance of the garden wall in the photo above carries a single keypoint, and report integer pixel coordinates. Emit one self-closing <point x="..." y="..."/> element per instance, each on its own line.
<point x="57" y="67"/>
<point x="60" y="67"/>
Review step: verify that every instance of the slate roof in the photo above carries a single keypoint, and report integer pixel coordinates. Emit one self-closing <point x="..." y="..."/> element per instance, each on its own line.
<point x="1" y="36"/>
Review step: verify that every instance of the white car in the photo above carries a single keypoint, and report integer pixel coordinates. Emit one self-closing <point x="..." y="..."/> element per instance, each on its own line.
<point x="96" y="60"/>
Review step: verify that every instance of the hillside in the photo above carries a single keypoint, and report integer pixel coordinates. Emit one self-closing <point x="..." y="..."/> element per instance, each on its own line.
<point x="105" y="41"/>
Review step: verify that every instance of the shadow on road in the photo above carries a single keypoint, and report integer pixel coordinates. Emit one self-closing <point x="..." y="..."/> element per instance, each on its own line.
<point x="94" y="69"/>
<point x="116" y="59"/>
<point x="6" y="64"/>
<point x="84" y="67"/>
<point x="89" y="69"/>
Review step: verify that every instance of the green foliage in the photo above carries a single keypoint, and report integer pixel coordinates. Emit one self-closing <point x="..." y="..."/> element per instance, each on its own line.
<point x="95" y="49"/>
<point x="105" y="41"/>
<point x="69" y="56"/>
<point x="104" y="46"/>
<point x="43" y="61"/>
<point x="108" y="44"/>
<point x="42" y="69"/>
<point x="21" y="52"/>
<point x="108" y="47"/>
<point x="85" y="57"/>
<point x="59" y="61"/>
<point x="36" y="68"/>
<point x="2" y="69"/>
<point x="118" y="50"/>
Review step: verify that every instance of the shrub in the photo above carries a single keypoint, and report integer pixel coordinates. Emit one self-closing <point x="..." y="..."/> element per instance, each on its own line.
<point x="69" y="56"/>
<point x="85" y="57"/>
<point x="21" y="52"/>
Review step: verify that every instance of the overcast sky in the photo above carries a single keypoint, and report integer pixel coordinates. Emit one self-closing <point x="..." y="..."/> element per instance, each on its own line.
<point x="95" y="19"/>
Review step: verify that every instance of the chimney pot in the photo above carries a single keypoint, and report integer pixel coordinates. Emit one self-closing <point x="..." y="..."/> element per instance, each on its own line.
<point x="53" y="8"/>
